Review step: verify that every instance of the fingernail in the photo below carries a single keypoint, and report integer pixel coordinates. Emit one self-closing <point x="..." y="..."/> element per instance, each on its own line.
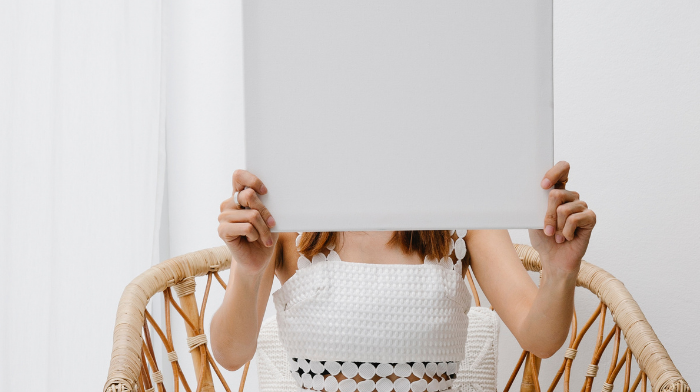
<point x="270" y="221"/>
<point x="549" y="230"/>
<point x="559" y="238"/>
<point x="269" y="242"/>
<point x="546" y="183"/>
<point x="263" y="188"/>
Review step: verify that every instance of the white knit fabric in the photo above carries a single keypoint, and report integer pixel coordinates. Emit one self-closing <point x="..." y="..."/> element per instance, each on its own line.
<point x="350" y="326"/>
<point x="477" y="372"/>
<point x="273" y="368"/>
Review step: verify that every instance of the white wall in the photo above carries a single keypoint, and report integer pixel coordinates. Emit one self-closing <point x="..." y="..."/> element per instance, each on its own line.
<point x="627" y="118"/>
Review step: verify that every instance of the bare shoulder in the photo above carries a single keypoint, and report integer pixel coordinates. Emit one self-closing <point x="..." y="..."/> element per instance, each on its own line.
<point x="453" y="255"/>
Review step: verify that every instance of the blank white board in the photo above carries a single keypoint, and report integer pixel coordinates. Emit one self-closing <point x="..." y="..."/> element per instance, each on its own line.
<point x="399" y="114"/>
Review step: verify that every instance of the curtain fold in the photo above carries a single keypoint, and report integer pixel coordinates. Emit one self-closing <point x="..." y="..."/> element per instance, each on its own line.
<point x="82" y="160"/>
<point x="204" y="144"/>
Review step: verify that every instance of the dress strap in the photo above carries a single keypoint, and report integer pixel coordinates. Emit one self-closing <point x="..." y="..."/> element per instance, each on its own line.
<point x="460" y="246"/>
<point x="460" y="249"/>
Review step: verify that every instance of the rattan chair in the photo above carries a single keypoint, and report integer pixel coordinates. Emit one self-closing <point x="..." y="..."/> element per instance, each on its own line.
<point x="133" y="366"/>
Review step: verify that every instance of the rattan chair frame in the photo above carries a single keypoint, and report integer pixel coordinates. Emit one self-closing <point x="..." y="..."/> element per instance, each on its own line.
<point x="133" y="366"/>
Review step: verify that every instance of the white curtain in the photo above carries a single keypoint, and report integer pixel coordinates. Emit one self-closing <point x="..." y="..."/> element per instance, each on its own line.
<point x="204" y="143"/>
<point x="82" y="154"/>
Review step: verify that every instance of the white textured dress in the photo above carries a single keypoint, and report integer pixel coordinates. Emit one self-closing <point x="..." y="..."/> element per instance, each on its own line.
<point x="351" y="326"/>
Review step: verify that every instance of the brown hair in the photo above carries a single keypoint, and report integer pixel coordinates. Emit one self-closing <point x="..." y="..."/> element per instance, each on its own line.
<point x="435" y="244"/>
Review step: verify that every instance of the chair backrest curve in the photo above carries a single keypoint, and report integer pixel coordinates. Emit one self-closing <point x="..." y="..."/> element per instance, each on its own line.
<point x="125" y="364"/>
<point x="640" y="337"/>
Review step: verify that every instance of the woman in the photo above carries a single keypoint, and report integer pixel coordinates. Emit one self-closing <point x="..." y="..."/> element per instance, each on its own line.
<point x="390" y="312"/>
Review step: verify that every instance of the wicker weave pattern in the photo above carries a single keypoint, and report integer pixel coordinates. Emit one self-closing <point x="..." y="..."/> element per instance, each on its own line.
<point x="642" y="342"/>
<point x="125" y="365"/>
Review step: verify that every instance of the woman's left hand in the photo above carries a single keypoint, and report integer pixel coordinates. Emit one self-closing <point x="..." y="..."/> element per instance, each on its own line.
<point x="567" y="224"/>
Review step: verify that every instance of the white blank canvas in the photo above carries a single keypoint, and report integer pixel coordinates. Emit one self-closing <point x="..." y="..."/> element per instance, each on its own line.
<point x="399" y="115"/>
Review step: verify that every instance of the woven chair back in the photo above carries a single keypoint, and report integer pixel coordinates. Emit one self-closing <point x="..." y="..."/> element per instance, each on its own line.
<point x="134" y="366"/>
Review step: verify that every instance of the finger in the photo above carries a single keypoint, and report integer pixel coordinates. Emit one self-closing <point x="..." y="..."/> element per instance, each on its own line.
<point x="557" y="174"/>
<point x="243" y="178"/>
<point x="566" y="209"/>
<point x="230" y="203"/>
<point x="231" y="231"/>
<point x="250" y="216"/>
<point x="585" y="219"/>
<point x="256" y="219"/>
<point x="556" y="198"/>
<point x="250" y="199"/>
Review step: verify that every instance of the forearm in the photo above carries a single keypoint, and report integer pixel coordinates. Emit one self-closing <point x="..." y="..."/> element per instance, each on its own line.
<point x="546" y="326"/>
<point x="234" y="326"/>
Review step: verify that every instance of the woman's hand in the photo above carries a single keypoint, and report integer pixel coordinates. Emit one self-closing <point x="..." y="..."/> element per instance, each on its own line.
<point x="567" y="225"/>
<point x="246" y="231"/>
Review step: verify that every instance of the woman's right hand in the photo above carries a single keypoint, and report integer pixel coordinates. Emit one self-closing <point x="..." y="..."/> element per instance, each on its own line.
<point x="246" y="231"/>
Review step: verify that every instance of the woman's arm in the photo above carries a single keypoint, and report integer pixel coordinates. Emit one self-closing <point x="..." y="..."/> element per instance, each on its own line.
<point x="236" y="324"/>
<point x="244" y="225"/>
<point x="539" y="318"/>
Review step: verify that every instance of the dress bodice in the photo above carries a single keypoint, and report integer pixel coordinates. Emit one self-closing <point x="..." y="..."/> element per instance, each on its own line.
<point x="350" y="326"/>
